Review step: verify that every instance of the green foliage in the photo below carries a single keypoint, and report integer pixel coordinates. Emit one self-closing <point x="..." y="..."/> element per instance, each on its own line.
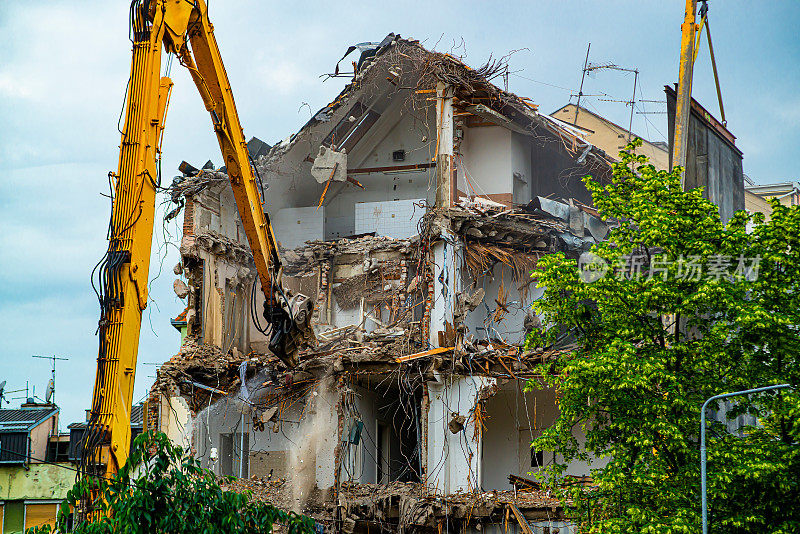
<point x="652" y="347"/>
<point x="163" y="489"/>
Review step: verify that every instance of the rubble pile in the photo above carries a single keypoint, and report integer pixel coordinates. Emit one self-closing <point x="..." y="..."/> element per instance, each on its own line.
<point x="401" y="504"/>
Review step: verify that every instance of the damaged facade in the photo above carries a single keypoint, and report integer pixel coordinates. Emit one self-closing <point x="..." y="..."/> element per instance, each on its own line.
<point x="412" y="209"/>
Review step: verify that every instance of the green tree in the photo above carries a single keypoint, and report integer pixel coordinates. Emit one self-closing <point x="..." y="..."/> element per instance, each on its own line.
<point x="688" y="308"/>
<point x="163" y="489"/>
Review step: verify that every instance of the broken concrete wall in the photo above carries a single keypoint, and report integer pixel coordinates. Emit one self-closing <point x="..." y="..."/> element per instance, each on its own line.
<point x="505" y="313"/>
<point x="218" y="268"/>
<point x="513" y="418"/>
<point x="293" y="440"/>
<point x="453" y="445"/>
<point x="486" y="163"/>
<point x="495" y="163"/>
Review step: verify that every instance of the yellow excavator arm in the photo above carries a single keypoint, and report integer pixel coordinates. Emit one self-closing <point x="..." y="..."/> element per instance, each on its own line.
<point x="182" y="28"/>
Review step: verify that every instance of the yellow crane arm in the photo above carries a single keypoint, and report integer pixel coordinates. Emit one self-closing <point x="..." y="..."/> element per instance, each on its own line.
<point x="182" y="28"/>
<point x="684" y="92"/>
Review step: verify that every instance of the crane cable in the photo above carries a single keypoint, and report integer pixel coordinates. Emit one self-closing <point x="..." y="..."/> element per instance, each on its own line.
<point x="704" y="23"/>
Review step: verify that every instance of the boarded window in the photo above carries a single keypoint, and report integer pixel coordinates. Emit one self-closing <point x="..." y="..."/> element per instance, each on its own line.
<point x="13" y="447"/>
<point x="37" y="514"/>
<point x="13" y="516"/>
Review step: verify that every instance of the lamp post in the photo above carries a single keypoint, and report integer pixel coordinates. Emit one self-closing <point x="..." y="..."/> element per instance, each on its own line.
<point x="703" y="441"/>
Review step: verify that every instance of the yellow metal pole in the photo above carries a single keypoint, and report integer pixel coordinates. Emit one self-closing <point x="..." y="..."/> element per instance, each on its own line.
<point x="683" y="105"/>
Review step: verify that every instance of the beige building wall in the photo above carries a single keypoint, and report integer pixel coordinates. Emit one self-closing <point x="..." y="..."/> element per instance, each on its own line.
<point x="787" y="193"/>
<point x="756" y="197"/>
<point x="610" y="137"/>
<point x="40" y="437"/>
<point x="756" y="204"/>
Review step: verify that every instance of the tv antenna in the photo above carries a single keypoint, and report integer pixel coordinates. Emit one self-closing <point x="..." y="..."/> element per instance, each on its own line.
<point x="580" y="91"/>
<point x="632" y="101"/>
<point x="4" y="393"/>
<point x="50" y="392"/>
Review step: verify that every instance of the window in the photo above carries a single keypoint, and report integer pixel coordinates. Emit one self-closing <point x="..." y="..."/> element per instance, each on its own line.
<point x="234" y="455"/>
<point x="537" y="458"/>
<point x="38" y="514"/>
<point x="399" y="155"/>
<point x="58" y="451"/>
<point x="13" y="516"/>
<point x="13" y="447"/>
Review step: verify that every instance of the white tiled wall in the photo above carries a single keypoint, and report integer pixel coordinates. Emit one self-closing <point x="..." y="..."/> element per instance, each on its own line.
<point x="395" y="218"/>
<point x="295" y="226"/>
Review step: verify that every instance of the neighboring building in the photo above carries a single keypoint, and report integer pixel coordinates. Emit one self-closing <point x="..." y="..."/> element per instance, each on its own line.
<point x="412" y="209"/>
<point x="757" y="196"/>
<point x="180" y="324"/>
<point x="754" y="203"/>
<point x="611" y="137"/>
<point x="713" y="160"/>
<point x="77" y="431"/>
<point x="37" y="463"/>
<point x="31" y="489"/>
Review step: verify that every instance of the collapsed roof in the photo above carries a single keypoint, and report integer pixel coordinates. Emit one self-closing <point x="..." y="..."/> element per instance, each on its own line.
<point x="404" y="65"/>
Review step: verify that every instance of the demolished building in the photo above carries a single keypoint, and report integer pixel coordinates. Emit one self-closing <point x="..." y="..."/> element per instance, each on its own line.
<point x="412" y="209"/>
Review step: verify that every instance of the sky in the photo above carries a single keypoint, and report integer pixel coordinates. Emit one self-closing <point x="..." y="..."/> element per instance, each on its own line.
<point x="64" y="66"/>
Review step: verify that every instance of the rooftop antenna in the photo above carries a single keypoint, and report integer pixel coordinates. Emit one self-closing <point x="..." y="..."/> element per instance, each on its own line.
<point x="632" y="101"/>
<point x="50" y="393"/>
<point x="4" y="393"/>
<point x="580" y="91"/>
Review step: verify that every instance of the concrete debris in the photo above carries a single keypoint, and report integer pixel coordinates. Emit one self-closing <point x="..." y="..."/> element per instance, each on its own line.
<point x="456" y="423"/>
<point x="180" y="288"/>
<point x="467" y="302"/>
<point x="220" y="245"/>
<point x="401" y="505"/>
<point x="329" y="165"/>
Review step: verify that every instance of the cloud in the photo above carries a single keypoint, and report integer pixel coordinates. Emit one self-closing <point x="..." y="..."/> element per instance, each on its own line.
<point x="281" y="76"/>
<point x="62" y="79"/>
<point x="13" y="87"/>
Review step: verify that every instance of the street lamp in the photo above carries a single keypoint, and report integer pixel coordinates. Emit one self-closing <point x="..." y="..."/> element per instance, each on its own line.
<point x="703" y="440"/>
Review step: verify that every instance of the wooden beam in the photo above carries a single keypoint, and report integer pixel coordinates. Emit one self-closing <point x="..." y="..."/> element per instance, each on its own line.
<point x="389" y="168"/>
<point x="523" y="523"/>
<point x="422" y="354"/>
<point x="327" y="184"/>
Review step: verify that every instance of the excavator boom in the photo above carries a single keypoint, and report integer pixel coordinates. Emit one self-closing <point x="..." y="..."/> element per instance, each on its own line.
<point x="181" y="28"/>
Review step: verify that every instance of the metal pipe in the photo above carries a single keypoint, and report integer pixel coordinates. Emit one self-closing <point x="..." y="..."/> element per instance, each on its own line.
<point x="241" y="449"/>
<point x="704" y="502"/>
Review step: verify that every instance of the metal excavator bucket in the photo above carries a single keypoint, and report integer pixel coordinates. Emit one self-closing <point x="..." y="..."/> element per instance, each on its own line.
<point x="290" y="317"/>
